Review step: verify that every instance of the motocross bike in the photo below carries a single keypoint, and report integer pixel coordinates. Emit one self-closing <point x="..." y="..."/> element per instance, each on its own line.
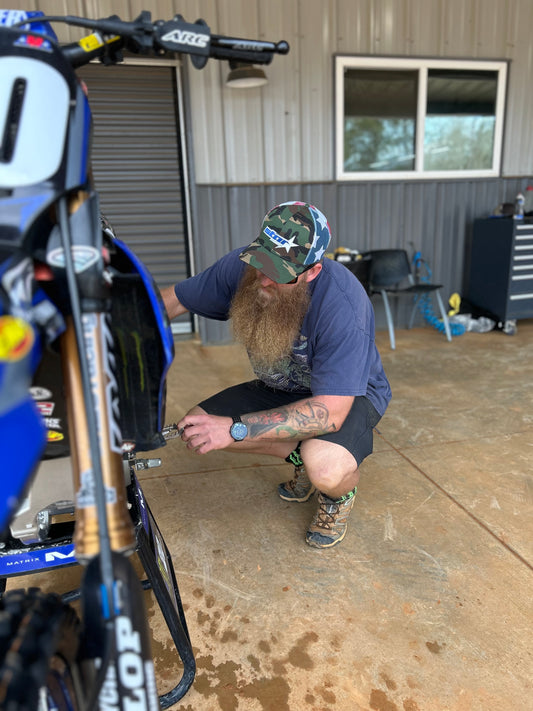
<point x="82" y="327"/>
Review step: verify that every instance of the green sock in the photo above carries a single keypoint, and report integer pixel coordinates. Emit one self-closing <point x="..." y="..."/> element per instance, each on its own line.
<point x="294" y="457"/>
<point x="346" y="497"/>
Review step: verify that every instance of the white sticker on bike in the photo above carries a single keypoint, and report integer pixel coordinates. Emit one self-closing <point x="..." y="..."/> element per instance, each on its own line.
<point x="192" y="39"/>
<point x="57" y="555"/>
<point x="39" y="393"/>
<point x="136" y="676"/>
<point x="35" y="138"/>
<point x="46" y="409"/>
<point x="103" y="337"/>
<point x="85" y="496"/>
<point x="83" y="257"/>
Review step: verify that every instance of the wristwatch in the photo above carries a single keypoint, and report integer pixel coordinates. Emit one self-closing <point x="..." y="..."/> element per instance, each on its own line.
<point x="238" y="429"/>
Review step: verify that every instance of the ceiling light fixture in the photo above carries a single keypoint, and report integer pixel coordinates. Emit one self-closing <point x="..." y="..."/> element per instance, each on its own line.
<point x="245" y="76"/>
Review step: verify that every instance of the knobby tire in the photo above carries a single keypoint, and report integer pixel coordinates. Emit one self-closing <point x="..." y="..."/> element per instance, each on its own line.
<point x="39" y="641"/>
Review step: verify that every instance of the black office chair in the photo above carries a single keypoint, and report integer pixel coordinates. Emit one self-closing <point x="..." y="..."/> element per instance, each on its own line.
<point x="388" y="269"/>
<point x="360" y="267"/>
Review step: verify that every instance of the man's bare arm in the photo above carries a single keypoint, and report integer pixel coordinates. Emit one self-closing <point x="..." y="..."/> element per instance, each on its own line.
<point x="172" y="304"/>
<point x="302" y="419"/>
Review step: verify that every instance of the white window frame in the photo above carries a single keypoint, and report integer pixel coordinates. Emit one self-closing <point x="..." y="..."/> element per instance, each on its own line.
<point x="421" y="65"/>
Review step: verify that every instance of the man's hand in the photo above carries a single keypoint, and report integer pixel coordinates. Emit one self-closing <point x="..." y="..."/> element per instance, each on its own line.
<point x="204" y="433"/>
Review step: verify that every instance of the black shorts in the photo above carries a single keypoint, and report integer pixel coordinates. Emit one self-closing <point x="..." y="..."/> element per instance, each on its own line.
<point x="355" y="435"/>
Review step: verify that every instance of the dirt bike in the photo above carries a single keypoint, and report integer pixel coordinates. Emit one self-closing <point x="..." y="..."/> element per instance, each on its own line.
<point x="85" y="346"/>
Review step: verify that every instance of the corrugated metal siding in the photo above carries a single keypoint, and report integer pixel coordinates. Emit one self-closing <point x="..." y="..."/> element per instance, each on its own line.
<point x="136" y="162"/>
<point x="238" y="108"/>
<point x="255" y="148"/>
<point x="283" y="141"/>
<point x="284" y="131"/>
<point x="434" y="218"/>
<point x="136" y="165"/>
<point x="295" y="139"/>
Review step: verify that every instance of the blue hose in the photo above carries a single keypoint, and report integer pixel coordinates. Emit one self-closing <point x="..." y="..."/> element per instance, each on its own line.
<point x="425" y="305"/>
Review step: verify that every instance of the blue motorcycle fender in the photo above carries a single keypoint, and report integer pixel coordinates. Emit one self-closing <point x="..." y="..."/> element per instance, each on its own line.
<point x="21" y="425"/>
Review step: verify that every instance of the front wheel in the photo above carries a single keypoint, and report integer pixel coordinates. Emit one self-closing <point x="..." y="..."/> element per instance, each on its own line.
<point x="39" y="640"/>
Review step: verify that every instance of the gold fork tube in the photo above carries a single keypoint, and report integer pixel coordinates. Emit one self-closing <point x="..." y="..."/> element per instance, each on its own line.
<point x="103" y="385"/>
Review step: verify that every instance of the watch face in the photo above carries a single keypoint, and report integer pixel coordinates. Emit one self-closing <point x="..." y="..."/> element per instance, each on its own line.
<point x="238" y="431"/>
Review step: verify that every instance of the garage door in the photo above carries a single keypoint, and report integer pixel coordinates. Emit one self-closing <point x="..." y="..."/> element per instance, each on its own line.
<point x="137" y="164"/>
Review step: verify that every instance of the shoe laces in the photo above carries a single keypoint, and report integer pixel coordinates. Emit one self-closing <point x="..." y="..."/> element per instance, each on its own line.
<point x="327" y="510"/>
<point x="299" y="473"/>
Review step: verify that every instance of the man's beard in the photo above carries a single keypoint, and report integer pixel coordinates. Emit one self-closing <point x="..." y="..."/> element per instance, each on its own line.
<point x="268" y="324"/>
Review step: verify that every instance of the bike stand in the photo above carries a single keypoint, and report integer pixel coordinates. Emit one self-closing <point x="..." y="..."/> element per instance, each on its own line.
<point x="156" y="561"/>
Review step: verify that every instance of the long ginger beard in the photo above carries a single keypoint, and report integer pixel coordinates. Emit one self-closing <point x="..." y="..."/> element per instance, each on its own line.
<point x="267" y="324"/>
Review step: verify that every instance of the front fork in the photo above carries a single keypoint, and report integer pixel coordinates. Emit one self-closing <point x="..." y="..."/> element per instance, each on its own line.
<point x="115" y="635"/>
<point x="98" y="347"/>
<point x="89" y="293"/>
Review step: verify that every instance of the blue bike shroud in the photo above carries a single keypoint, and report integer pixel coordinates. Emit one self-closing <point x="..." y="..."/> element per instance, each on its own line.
<point x="144" y="350"/>
<point x="23" y="441"/>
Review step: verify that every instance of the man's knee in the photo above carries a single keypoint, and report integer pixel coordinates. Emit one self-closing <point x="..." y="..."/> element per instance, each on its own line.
<point x="327" y="464"/>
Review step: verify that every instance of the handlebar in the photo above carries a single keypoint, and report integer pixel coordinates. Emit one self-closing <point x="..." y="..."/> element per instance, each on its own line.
<point x="142" y="36"/>
<point x="259" y="52"/>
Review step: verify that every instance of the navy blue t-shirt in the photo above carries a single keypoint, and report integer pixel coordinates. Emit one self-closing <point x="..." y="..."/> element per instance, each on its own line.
<point x="335" y="353"/>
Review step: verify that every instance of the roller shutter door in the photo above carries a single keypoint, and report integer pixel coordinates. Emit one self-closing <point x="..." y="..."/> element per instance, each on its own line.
<point x="137" y="164"/>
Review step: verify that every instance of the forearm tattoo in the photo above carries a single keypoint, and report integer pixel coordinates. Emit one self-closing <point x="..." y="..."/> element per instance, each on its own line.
<point x="305" y="418"/>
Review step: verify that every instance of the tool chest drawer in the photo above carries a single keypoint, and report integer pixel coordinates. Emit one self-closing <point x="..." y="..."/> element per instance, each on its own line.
<point x="500" y="271"/>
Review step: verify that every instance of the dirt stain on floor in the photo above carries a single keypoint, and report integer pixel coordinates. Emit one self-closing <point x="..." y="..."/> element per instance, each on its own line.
<point x="225" y="682"/>
<point x="263" y="676"/>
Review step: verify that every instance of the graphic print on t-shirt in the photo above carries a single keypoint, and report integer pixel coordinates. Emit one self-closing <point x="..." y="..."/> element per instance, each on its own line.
<point x="292" y="373"/>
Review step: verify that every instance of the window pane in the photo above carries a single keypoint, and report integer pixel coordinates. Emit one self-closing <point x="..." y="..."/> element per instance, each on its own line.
<point x="379" y="120"/>
<point x="460" y="120"/>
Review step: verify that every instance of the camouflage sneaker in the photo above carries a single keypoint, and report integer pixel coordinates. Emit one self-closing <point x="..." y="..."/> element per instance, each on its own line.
<point x="330" y="521"/>
<point x="299" y="488"/>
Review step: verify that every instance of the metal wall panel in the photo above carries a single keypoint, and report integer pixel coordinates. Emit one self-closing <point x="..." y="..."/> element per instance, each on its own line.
<point x="435" y="218"/>
<point x="284" y="131"/>
<point x="205" y="102"/>
<point x="316" y="45"/>
<point x="518" y="142"/>
<point x="283" y="142"/>
<point x="295" y="140"/>
<point x="241" y="107"/>
<point x="136" y="165"/>
<point x="255" y="148"/>
<point x="136" y="162"/>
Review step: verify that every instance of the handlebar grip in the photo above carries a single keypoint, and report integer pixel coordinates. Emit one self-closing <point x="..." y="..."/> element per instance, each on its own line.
<point x="246" y="50"/>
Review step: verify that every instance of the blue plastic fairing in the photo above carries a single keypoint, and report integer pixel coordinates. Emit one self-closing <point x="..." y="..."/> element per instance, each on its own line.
<point x="8" y="18"/>
<point x="23" y="441"/>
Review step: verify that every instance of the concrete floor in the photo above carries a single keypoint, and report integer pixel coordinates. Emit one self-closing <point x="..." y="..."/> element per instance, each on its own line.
<point x="425" y="606"/>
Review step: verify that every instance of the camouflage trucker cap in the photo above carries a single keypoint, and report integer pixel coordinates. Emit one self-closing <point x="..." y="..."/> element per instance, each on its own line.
<point x="294" y="236"/>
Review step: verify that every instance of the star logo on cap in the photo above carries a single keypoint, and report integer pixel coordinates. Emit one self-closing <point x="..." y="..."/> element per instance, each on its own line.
<point x="289" y="244"/>
<point x="279" y="240"/>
